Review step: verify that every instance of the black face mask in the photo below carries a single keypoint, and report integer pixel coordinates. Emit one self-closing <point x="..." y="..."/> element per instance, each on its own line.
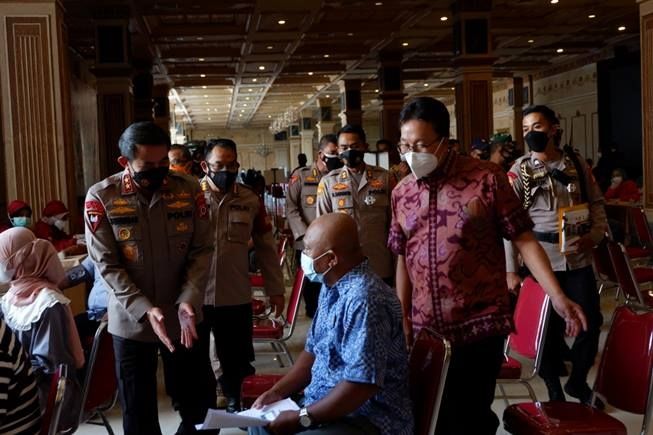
<point x="223" y="180"/>
<point x="150" y="179"/>
<point x="352" y="158"/>
<point x="537" y="140"/>
<point x="332" y="163"/>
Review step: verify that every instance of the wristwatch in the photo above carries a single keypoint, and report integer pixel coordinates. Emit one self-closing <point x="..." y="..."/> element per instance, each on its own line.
<point x="305" y="419"/>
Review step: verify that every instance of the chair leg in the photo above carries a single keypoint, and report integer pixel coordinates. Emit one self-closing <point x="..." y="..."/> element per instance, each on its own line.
<point x="601" y="287"/>
<point x="503" y="394"/>
<point x="279" y="353"/>
<point x="617" y="294"/>
<point x="531" y="392"/>
<point x="286" y="352"/>
<point x="106" y="423"/>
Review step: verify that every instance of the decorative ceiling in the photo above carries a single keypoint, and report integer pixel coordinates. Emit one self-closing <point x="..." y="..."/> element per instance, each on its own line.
<point x="243" y="63"/>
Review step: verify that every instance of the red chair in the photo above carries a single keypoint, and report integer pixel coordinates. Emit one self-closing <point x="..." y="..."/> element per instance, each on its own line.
<point x="531" y="320"/>
<point x="255" y="385"/>
<point x="623" y="381"/>
<point x="100" y="389"/>
<point x="603" y="266"/>
<point x="637" y="217"/>
<point x="629" y="278"/>
<point x="50" y="421"/>
<point x="429" y="362"/>
<point x="277" y="333"/>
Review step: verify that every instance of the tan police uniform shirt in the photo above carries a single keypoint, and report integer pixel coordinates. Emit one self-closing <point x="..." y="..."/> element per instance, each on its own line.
<point x="368" y="203"/>
<point x="236" y="217"/>
<point x="149" y="252"/>
<point x="548" y="196"/>
<point x="301" y="201"/>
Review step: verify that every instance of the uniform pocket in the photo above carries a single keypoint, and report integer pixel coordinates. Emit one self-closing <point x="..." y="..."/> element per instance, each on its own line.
<point x="239" y="227"/>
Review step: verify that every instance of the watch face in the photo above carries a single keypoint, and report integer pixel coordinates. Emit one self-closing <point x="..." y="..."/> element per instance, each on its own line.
<point x="304" y="419"/>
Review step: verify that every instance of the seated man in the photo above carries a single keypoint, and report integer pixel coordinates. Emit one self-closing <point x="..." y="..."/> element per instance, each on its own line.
<point x="354" y="368"/>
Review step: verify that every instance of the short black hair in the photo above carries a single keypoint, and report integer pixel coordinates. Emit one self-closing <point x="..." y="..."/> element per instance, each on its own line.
<point x="429" y="110"/>
<point x="141" y="133"/>
<point x="355" y="129"/>
<point x="185" y="151"/>
<point x="549" y="114"/>
<point x="220" y="143"/>
<point x="302" y="159"/>
<point x="327" y="139"/>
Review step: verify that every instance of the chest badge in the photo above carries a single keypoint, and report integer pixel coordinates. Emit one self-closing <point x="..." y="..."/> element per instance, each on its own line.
<point x="310" y="200"/>
<point x="370" y="199"/>
<point x="124" y="234"/>
<point x="182" y="227"/>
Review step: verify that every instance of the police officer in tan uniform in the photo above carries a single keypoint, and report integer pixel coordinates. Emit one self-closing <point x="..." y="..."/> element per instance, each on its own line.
<point x="547" y="179"/>
<point x="363" y="192"/>
<point x="237" y="215"/>
<point x="147" y="231"/>
<point x="301" y="206"/>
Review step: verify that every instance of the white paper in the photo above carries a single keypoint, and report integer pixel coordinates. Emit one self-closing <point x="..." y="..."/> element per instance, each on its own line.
<point x="218" y="419"/>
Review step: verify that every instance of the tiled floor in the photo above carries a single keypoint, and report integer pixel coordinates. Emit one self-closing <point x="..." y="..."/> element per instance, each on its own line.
<point x="265" y="364"/>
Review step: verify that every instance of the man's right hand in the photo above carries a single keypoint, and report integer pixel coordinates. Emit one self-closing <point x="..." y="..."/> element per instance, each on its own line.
<point x="514" y="281"/>
<point x="155" y="316"/>
<point x="572" y="313"/>
<point x="266" y="398"/>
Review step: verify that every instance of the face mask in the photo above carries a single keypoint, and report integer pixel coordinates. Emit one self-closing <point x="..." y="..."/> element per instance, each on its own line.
<point x="332" y="162"/>
<point x="308" y="266"/>
<point x="402" y="157"/>
<point x="223" y="180"/>
<point x="21" y="221"/>
<point x="6" y="274"/>
<point x="60" y="224"/>
<point x="537" y="140"/>
<point x="150" y="179"/>
<point x="422" y="164"/>
<point x="617" y="180"/>
<point x="352" y="158"/>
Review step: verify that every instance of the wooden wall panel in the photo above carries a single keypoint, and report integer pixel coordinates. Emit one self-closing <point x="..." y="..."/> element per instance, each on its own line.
<point x="647" y="106"/>
<point x="33" y="127"/>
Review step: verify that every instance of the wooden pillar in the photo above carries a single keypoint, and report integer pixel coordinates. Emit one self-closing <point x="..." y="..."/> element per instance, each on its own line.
<point x="37" y="154"/>
<point x="473" y="68"/>
<point x="646" y="31"/>
<point x="162" y="107"/>
<point x="518" y="110"/>
<point x="352" y="112"/>
<point x="392" y="99"/>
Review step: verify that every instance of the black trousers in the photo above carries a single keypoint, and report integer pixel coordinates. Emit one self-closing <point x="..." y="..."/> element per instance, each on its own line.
<point x="232" y="329"/>
<point x="136" y="366"/>
<point x="469" y="390"/>
<point x="580" y="286"/>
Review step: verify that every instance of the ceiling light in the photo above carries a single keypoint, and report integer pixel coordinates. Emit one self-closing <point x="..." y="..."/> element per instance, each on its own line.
<point x="405" y="44"/>
<point x="261" y="67"/>
<point x="202" y="75"/>
<point x="242" y="111"/>
<point x="254" y="80"/>
<point x="310" y="73"/>
<point x="560" y="50"/>
<point x="240" y="115"/>
<point x="207" y="103"/>
<point x="376" y="90"/>
<point x="204" y="87"/>
<point x="199" y="38"/>
<point x="621" y="28"/>
<point x="206" y="96"/>
<point x="453" y="88"/>
<point x="553" y="2"/>
<point x="282" y="22"/>
<point x="530" y="41"/>
<point x="378" y="4"/>
<point x="269" y="116"/>
<point x="209" y="118"/>
<point x="245" y="105"/>
<point x="326" y="56"/>
<point x="444" y="18"/>
<point x="247" y="98"/>
<point x="591" y="16"/>
<point x="201" y="59"/>
<point x="208" y="110"/>
<point x="350" y="34"/>
<point x="249" y="89"/>
<point x="426" y="85"/>
<point x="328" y="96"/>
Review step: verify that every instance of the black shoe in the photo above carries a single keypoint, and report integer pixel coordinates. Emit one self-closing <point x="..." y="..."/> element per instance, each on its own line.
<point x="583" y="393"/>
<point x="555" y="390"/>
<point x="233" y="405"/>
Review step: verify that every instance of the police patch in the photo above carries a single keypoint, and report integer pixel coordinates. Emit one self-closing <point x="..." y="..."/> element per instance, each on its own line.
<point x="310" y="200"/>
<point x="94" y="214"/>
<point x="182" y="227"/>
<point x="130" y="252"/>
<point x="376" y="184"/>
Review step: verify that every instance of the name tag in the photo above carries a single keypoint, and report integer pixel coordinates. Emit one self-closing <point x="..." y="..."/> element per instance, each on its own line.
<point x="180" y="214"/>
<point x="123" y="220"/>
<point x="239" y="207"/>
<point x="342" y="193"/>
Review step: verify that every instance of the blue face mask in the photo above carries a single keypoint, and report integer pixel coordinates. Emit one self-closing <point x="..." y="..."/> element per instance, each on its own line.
<point x="21" y="221"/>
<point x="308" y="266"/>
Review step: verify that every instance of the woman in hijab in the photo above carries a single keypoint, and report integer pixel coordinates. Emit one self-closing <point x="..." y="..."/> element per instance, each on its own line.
<point x="39" y="313"/>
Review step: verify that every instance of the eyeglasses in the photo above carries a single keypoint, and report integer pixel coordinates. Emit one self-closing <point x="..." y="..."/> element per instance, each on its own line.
<point x="217" y="167"/>
<point x="404" y="147"/>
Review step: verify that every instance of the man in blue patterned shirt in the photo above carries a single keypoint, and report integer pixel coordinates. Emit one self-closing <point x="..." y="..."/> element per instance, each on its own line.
<point x="354" y="367"/>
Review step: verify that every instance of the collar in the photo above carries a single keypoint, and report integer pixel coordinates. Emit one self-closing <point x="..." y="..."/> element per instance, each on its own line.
<point x="341" y="286"/>
<point x="206" y="183"/>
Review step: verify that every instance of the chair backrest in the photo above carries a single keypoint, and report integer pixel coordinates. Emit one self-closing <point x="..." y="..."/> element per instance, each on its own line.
<point x="295" y="298"/>
<point x="602" y="262"/>
<point x="637" y="217"/>
<point x="531" y="318"/>
<point x="100" y="383"/>
<point x="50" y="421"/>
<point x="429" y="362"/>
<point x="624" y="272"/>
<point x="624" y="375"/>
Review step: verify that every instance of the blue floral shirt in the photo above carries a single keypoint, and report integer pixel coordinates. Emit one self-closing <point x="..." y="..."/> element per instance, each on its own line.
<point x="357" y="336"/>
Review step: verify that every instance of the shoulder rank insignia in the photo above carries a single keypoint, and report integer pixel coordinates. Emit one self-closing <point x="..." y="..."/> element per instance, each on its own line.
<point x="320" y="188"/>
<point x="179" y="204"/>
<point x="344" y="174"/>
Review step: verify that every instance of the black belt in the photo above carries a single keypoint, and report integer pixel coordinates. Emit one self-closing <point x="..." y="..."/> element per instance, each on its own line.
<point x="547" y="237"/>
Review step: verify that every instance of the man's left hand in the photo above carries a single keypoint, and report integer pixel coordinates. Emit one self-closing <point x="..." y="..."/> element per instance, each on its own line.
<point x="186" y="316"/>
<point x="286" y="423"/>
<point x="277" y="302"/>
<point x="584" y="244"/>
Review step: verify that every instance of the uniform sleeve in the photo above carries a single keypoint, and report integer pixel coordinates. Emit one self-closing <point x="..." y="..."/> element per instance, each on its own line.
<point x="266" y="253"/>
<point x="396" y="236"/>
<point x="200" y="253"/>
<point x="103" y="250"/>
<point x="324" y="205"/>
<point x="293" y="210"/>
<point x="597" y="207"/>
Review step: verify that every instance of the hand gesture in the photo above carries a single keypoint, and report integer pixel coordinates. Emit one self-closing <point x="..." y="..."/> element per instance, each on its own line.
<point x="277" y="302"/>
<point x="186" y="316"/>
<point x="266" y="398"/>
<point x="155" y="316"/>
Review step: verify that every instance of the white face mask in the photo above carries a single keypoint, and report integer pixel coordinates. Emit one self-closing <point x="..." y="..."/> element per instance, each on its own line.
<point x="308" y="266"/>
<point x="617" y="180"/>
<point x="60" y="224"/>
<point x="422" y="164"/>
<point x="6" y="274"/>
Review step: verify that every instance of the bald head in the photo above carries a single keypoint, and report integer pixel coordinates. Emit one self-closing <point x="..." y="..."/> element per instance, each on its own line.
<point x="335" y="231"/>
